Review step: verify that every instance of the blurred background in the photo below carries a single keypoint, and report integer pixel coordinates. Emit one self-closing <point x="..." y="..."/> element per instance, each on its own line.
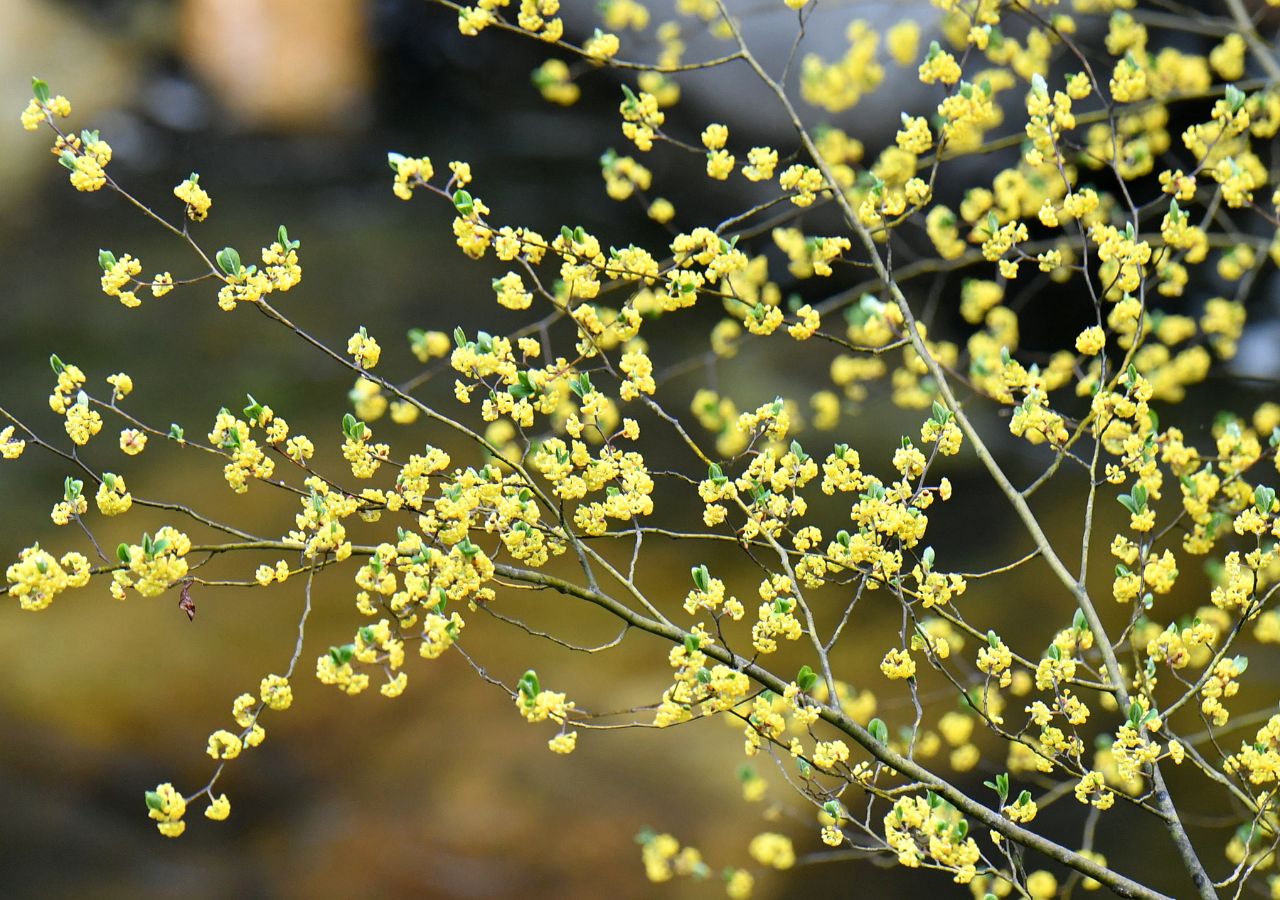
<point x="287" y="108"/>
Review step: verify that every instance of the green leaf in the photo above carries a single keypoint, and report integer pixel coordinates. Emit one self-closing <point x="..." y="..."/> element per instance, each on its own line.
<point x="1263" y="499"/>
<point x="581" y="385"/>
<point x="106" y="259"/>
<point x="530" y="686"/>
<point x="463" y="202"/>
<point x="122" y="553"/>
<point x="806" y="678"/>
<point x="40" y="90"/>
<point x="701" y="577"/>
<point x="1235" y="97"/>
<point x="153" y="801"/>
<point x="879" y="731"/>
<point x="254" y="409"/>
<point x="176" y="433"/>
<point x="229" y="261"/>
<point x="352" y="428"/>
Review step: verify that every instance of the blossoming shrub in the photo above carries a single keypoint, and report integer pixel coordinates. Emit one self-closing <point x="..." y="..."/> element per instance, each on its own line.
<point x="1161" y="234"/>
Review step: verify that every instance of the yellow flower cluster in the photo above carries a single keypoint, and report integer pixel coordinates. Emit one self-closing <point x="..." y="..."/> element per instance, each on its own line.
<point x="195" y="197"/>
<point x="152" y="566"/>
<point x="38" y="577"/>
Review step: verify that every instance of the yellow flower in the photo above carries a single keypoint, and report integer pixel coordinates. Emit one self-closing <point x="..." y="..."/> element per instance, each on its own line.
<point x="563" y="743"/>
<point x="122" y="385"/>
<point x="167" y="807"/>
<point x="661" y="210"/>
<point x="714" y="136"/>
<point x="719" y="164"/>
<point x="1041" y="885"/>
<point x="33" y="115"/>
<point x="364" y="349"/>
<point x="195" y="197"/>
<point x="903" y="42"/>
<point x="1091" y="341"/>
<point x="218" y="809"/>
<point x="224" y="745"/>
<point x="738" y="886"/>
<point x="761" y="161"/>
<point x="10" y="447"/>
<point x="395" y="687"/>
<point x="82" y="423"/>
<point x="132" y="441"/>
<point x="275" y="691"/>
<point x="601" y="46"/>
<point x="898" y="664"/>
<point x="511" y="292"/>
<point x="773" y="850"/>
<point x="939" y="66"/>
<point x="37" y="577"/>
<point x="914" y="136"/>
<point x="112" y="497"/>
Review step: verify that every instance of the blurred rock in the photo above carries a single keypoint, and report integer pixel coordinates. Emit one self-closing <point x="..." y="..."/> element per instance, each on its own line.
<point x="281" y="64"/>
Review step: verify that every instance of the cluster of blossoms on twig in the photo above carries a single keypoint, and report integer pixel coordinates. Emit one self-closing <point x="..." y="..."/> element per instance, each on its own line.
<point x="1095" y="195"/>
